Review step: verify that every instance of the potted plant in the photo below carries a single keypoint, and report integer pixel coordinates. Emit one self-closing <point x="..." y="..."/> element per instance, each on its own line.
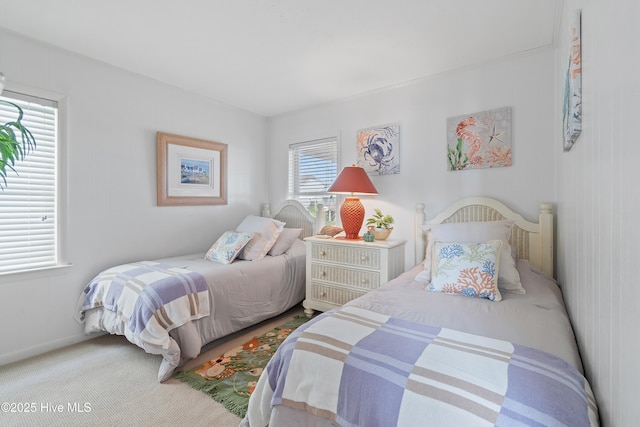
<point x="15" y="140"/>
<point x="380" y="224"/>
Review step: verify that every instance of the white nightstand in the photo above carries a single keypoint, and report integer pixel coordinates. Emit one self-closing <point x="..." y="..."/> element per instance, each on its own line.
<point x="340" y="270"/>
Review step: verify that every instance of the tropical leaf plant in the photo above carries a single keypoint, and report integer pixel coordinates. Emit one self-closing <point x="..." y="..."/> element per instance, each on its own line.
<point x="16" y="141"/>
<point x="380" y="220"/>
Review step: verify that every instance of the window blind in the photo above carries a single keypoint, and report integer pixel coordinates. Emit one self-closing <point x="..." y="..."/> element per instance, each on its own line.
<point x="28" y="221"/>
<point x="312" y="170"/>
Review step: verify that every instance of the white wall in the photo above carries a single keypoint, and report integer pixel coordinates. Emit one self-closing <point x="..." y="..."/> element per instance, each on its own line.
<point x="524" y="83"/>
<point x="113" y="118"/>
<point x="598" y="204"/>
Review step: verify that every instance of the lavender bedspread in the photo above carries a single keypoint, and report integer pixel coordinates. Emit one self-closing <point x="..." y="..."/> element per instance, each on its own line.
<point x="357" y="367"/>
<point x="146" y="300"/>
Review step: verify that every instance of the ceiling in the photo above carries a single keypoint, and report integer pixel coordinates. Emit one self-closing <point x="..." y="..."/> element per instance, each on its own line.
<point x="275" y="56"/>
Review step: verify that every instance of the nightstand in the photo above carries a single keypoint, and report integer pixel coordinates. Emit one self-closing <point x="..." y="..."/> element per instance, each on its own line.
<point x="339" y="270"/>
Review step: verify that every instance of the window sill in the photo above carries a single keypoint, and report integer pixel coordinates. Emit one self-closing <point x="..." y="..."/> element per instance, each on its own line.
<point x="34" y="273"/>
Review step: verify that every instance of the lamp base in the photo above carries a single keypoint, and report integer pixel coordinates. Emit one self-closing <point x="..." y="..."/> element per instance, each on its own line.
<point x="352" y="216"/>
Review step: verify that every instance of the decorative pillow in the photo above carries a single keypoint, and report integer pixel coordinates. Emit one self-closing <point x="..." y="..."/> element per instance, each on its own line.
<point x="266" y="232"/>
<point x="228" y="246"/>
<point x="476" y="232"/>
<point x="284" y="241"/>
<point x="469" y="269"/>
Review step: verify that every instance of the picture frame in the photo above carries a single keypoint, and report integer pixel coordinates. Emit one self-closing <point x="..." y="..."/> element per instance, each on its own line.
<point x="191" y="171"/>
<point x="572" y="100"/>
<point x="378" y="149"/>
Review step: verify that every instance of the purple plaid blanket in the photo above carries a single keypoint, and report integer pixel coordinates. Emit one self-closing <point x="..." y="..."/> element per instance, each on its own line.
<point x="361" y="368"/>
<point x="149" y="299"/>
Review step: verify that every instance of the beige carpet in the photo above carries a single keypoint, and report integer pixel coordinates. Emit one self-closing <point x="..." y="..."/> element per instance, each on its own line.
<point x="108" y="381"/>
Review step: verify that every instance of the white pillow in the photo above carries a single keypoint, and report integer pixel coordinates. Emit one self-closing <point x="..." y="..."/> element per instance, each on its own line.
<point x="469" y="269"/>
<point x="266" y="232"/>
<point x="228" y="246"/>
<point x="476" y="232"/>
<point x="284" y="241"/>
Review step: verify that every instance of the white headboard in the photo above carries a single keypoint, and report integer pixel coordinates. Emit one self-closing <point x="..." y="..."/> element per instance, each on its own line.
<point x="532" y="241"/>
<point x="295" y="215"/>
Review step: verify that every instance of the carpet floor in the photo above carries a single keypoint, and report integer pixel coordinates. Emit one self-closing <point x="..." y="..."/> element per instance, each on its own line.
<point x="108" y="381"/>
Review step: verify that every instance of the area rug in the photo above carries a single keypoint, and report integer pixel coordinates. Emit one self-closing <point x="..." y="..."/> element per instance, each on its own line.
<point x="231" y="377"/>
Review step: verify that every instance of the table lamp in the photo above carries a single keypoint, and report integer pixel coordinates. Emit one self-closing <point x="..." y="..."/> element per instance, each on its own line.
<point x="352" y="180"/>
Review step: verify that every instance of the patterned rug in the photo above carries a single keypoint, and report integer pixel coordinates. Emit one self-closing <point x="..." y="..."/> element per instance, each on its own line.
<point x="231" y="377"/>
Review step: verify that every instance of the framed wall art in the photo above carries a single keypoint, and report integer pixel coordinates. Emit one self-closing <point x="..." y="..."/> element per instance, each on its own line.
<point x="572" y="102"/>
<point x="479" y="140"/>
<point x="191" y="171"/>
<point x="379" y="149"/>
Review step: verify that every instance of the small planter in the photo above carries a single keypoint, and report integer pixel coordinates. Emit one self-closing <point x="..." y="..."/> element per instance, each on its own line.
<point x="380" y="225"/>
<point x="381" y="233"/>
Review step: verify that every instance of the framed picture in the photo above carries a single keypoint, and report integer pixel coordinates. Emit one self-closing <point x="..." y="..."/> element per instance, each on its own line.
<point x="572" y="103"/>
<point x="191" y="171"/>
<point x="479" y="140"/>
<point x="379" y="149"/>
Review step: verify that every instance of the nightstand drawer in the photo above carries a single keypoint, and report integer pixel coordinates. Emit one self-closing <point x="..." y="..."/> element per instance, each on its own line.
<point x="331" y="295"/>
<point x="350" y="255"/>
<point x="366" y="279"/>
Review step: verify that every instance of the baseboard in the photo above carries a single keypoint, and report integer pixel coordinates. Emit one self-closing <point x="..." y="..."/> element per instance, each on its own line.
<point x="37" y="350"/>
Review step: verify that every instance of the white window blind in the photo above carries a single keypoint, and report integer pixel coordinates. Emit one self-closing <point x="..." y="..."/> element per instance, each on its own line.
<point x="313" y="167"/>
<point x="28" y="201"/>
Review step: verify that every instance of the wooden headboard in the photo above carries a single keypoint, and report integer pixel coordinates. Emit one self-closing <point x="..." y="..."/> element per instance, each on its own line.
<point x="295" y="215"/>
<point x="532" y="241"/>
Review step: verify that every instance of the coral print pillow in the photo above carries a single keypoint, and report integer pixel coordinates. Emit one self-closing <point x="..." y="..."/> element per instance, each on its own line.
<point x="228" y="246"/>
<point x="476" y="232"/>
<point x="469" y="269"/>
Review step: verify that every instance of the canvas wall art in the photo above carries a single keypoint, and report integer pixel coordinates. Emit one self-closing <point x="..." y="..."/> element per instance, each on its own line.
<point x="479" y="140"/>
<point x="379" y="149"/>
<point x="572" y="105"/>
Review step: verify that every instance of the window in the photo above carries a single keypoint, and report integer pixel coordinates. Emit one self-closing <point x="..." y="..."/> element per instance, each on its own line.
<point x="313" y="166"/>
<point x="28" y="220"/>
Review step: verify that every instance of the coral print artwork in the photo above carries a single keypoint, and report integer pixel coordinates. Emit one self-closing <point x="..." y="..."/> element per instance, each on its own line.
<point x="379" y="150"/>
<point x="479" y="140"/>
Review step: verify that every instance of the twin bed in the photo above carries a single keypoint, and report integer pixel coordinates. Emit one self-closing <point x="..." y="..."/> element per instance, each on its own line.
<point x="174" y="306"/>
<point x="421" y="352"/>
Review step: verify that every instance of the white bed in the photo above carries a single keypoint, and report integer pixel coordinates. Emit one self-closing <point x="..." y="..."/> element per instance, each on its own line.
<point x="404" y="355"/>
<point x="219" y="298"/>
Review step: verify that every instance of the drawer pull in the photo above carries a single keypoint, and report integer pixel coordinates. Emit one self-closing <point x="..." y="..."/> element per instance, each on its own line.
<point x="322" y="253"/>
<point x="363" y="281"/>
<point x="323" y="294"/>
<point x="363" y="258"/>
<point x="323" y="273"/>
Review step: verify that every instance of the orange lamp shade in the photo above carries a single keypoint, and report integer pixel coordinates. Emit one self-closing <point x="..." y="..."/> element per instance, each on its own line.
<point x="352" y="180"/>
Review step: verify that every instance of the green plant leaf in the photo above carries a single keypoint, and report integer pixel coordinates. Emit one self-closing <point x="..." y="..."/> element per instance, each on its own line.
<point x="12" y="149"/>
<point x="380" y="220"/>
